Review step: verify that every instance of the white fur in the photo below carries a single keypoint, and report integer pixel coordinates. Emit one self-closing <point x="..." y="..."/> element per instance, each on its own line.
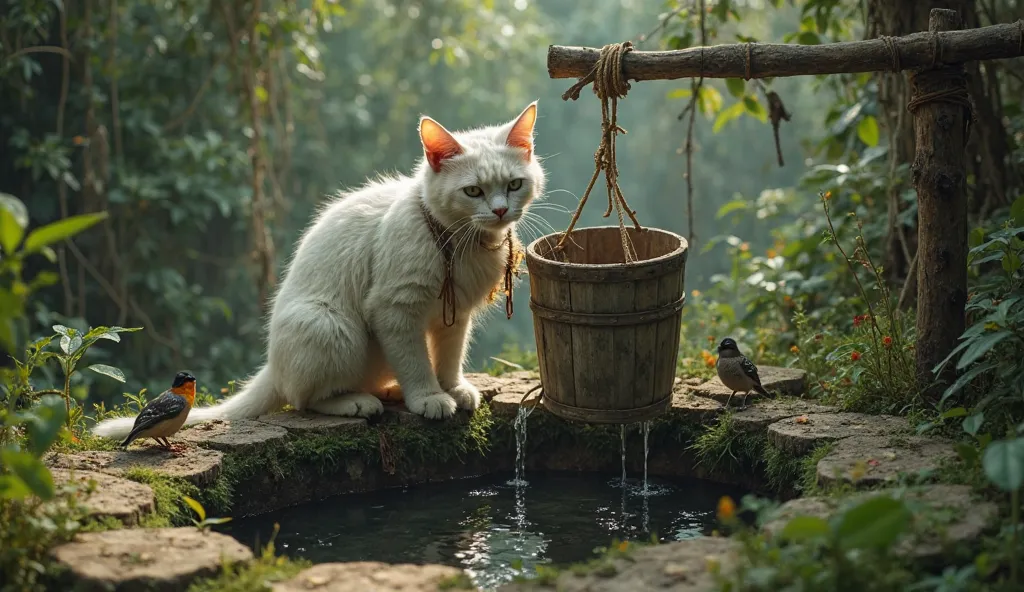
<point x="359" y="307"/>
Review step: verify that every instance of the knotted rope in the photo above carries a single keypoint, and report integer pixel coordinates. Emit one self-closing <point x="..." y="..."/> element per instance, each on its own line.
<point x="944" y="84"/>
<point x="609" y="85"/>
<point x="443" y="240"/>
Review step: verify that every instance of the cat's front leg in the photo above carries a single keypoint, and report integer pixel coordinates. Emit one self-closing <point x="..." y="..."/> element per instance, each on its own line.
<point x="449" y="352"/>
<point x="404" y="342"/>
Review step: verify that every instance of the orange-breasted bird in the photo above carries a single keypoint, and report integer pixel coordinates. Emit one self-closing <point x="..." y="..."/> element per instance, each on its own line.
<point x="163" y="416"/>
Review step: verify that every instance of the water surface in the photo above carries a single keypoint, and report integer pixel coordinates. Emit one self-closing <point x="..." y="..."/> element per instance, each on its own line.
<point x="488" y="527"/>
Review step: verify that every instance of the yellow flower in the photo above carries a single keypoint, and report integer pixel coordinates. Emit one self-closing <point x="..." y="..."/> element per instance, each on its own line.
<point x="726" y="508"/>
<point x="695" y="293"/>
<point x="795" y="349"/>
<point x="623" y="546"/>
<point x="745" y="247"/>
<point x="858" y="471"/>
<point x="772" y="253"/>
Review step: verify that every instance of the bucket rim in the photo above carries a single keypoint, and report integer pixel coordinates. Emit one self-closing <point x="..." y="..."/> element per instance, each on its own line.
<point x="681" y="251"/>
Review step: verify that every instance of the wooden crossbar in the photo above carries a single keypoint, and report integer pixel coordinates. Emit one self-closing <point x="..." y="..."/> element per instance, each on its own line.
<point x="772" y="60"/>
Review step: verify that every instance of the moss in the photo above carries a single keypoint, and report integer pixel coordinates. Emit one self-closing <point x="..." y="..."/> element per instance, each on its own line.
<point x="808" y="484"/>
<point x="459" y="581"/>
<point x="721" y="447"/>
<point x="256" y="576"/>
<point x="168" y="492"/>
<point x="101" y="524"/>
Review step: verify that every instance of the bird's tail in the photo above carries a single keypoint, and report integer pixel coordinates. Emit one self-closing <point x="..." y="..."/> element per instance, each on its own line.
<point x="757" y="388"/>
<point x="256" y="397"/>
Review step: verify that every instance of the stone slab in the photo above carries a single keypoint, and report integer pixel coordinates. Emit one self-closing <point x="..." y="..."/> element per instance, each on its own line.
<point x="802" y="433"/>
<point x="755" y="418"/>
<point x="679" y="566"/>
<point x="197" y="465"/>
<point x="693" y="409"/>
<point x="111" y="497"/>
<point x="776" y="380"/>
<point x="370" y="576"/>
<point x="233" y="435"/>
<point x="946" y="517"/>
<point x="136" y="560"/>
<point x="867" y="462"/>
<point x="304" y="422"/>
<point x="509" y="382"/>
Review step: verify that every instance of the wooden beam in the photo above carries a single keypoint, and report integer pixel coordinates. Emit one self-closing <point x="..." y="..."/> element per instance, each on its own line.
<point x="771" y="60"/>
<point x="940" y="178"/>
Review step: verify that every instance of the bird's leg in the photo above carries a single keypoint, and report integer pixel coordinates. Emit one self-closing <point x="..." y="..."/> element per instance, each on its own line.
<point x="163" y="442"/>
<point x="743" y="404"/>
<point x="729" y="399"/>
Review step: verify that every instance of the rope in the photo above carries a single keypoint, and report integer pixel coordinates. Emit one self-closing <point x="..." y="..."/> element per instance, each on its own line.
<point x="894" y="52"/>
<point x="442" y="239"/>
<point x="609" y="85"/>
<point x="530" y="392"/>
<point x="941" y="84"/>
<point x="750" y="59"/>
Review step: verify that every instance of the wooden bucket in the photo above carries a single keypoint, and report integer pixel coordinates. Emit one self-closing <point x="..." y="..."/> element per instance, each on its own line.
<point x="607" y="331"/>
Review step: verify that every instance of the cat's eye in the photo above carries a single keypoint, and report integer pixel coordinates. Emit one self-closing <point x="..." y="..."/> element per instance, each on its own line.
<point x="515" y="185"/>
<point x="473" y="191"/>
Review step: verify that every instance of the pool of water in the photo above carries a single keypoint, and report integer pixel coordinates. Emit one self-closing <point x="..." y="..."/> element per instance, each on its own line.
<point x="487" y="526"/>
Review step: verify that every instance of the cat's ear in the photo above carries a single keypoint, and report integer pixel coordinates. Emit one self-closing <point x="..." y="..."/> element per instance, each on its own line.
<point x="521" y="134"/>
<point x="438" y="144"/>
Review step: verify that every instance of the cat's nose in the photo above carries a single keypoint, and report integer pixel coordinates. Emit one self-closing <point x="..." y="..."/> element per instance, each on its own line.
<point x="500" y="212"/>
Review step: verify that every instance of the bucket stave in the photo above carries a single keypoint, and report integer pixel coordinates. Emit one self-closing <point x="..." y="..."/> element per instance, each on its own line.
<point x="607" y="332"/>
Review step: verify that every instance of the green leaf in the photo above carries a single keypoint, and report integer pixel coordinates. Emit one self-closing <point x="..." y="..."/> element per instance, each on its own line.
<point x="62" y="330"/>
<point x="737" y="87"/>
<point x="709" y="100"/>
<point x="980" y="346"/>
<point x="968" y="453"/>
<point x="1004" y="463"/>
<point x="110" y="371"/>
<point x="973" y="423"/>
<point x="808" y="38"/>
<point x="13" y="220"/>
<point x="216" y="520"/>
<point x="196" y="506"/>
<point x="1017" y="211"/>
<point x="875" y="523"/>
<point x="727" y="115"/>
<point x="754" y="107"/>
<point x="803" y="528"/>
<point x="70" y="343"/>
<point x="58" y="231"/>
<point x="29" y="470"/>
<point x="44" y="422"/>
<point x="680" y="93"/>
<point x="976" y="237"/>
<point x="733" y="206"/>
<point x="867" y="130"/>
<point x="954" y="412"/>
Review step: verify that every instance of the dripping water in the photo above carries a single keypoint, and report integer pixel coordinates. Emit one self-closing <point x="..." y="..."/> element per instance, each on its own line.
<point x="520" y="429"/>
<point x="622" y="451"/>
<point x="647" y="432"/>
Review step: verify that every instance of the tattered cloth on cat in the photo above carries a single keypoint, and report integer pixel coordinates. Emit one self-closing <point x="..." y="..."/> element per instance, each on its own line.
<point x="516" y="254"/>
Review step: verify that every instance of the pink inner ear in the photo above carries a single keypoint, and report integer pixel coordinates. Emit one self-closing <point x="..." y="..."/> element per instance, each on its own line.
<point x="521" y="135"/>
<point x="438" y="144"/>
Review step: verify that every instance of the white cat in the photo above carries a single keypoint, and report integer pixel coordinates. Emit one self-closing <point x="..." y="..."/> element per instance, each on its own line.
<point x="359" y="304"/>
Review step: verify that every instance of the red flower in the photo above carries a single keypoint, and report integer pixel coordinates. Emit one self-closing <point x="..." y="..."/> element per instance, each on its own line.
<point x="855" y="356"/>
<point x="856" y="321"/>
<point x="887" y="341"/>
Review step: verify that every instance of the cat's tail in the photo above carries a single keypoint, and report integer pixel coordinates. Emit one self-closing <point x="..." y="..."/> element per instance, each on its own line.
<point x="256" y="398"/>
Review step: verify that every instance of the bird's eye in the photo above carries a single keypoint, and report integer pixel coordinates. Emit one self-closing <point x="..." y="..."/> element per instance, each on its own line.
<point x="515" y="185"/>
<point x="473" y="191"/>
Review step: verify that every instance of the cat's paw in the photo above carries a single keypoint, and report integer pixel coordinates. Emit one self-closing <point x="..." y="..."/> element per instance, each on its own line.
<point x="432" y="405"/>
<point x="466" y="396"/>
<point x="350" y="405"/>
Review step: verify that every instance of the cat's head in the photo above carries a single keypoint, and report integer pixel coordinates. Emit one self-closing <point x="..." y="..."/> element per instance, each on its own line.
<point x="486" y="177"/>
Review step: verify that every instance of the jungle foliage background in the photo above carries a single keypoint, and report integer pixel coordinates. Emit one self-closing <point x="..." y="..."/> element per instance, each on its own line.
<point x="210" y="131"/>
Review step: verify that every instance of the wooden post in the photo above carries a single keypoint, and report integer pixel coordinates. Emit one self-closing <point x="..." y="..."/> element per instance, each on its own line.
<point x="940" y="175"/>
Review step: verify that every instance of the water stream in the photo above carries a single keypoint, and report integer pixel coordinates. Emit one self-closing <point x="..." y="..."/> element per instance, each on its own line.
<point x="520" y="428"/>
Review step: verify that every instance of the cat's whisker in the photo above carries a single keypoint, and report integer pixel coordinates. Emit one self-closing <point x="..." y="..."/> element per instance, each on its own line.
<point x="540" y="222"/>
